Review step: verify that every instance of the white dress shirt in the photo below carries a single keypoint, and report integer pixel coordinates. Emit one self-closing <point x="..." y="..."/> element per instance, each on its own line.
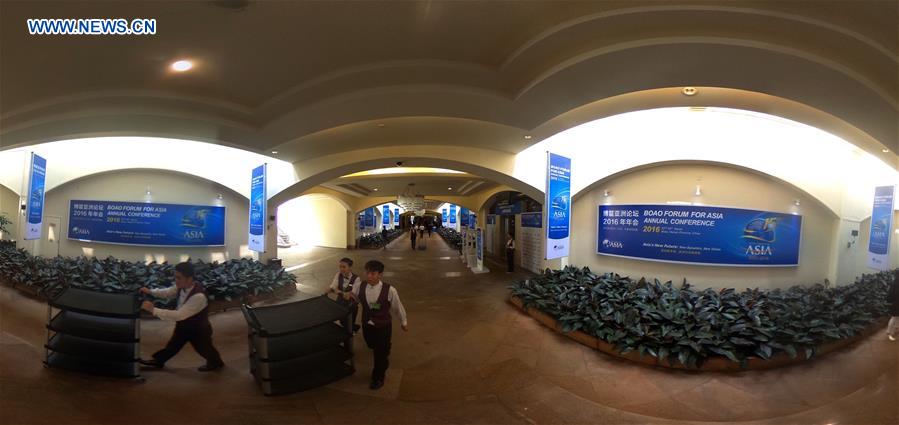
<point x="346" y="280"/>
<point x="373" y="292"/>
<point x="186" y="307"/>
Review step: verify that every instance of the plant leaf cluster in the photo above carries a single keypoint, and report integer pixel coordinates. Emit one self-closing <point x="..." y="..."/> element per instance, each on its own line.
<point x="679" y="323"/>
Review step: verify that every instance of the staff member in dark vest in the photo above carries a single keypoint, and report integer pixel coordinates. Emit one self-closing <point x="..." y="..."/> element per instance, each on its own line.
<point x="378" y="301"/>
<point x="342" y="284"/>
<point x="510" y="254"/>
<point x="414" y="236"/>
<point x="191" y="319"/>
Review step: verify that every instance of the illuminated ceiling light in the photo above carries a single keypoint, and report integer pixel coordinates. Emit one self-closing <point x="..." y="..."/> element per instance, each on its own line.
<point x="182" y="65"/>
<point x="796" y="202"/>
<point x="527" y="137"/>
<point x="274" y="152"/>
<point x="607" y="193"/>
<point x="885" y="150"/>
<point x="449" y="188"/>
<point x="375" y="189"/>
<point x="689" y="91"/>
<point x="698" y="191"/>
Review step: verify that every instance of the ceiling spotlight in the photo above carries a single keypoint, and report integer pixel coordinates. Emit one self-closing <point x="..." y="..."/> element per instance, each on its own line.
<point x="606" y="193"/>
<point x="689" y="91"/>
<point x="182" y="65"/>
<point x="375" y="189"/>
<point x="449" y="188"/>
<point x="698" y="191"/>
<point x="219" y="197"/>
<point x="885" y="150"/>
<point x="527" y="137"/>
<point x="796" y="202"/>
<point x="274" y="152"/>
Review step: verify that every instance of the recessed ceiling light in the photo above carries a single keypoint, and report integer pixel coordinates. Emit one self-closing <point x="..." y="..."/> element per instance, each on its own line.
<point x="274" y="152"/>
<point x="689" y="91"/>
<point x="884" y="150"/>
<point x="527" y="137"/>
<point x="182" y="65"/>
<point x="380" y="125"/>
<point x="449" y="188"/>
<point x="375" y="189"/>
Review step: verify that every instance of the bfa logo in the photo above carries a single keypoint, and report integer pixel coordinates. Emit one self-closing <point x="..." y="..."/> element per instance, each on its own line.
<point x="194" y="234"/>
<point x="612" y="244"/>
<point x="80" y="231"/>
<point x="195" y="218"/>
<point x="761" y="229"/>
<point x="756" y="250"/>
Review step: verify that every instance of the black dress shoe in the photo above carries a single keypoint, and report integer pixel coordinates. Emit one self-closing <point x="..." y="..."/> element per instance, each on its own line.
<point x="376" y="385"/>
<point x="150" y="364"/>
<point x="210" y="368"/>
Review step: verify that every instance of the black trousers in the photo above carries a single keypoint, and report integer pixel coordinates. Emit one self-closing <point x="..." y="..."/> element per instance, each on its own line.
<point x="378" y="339"/>
<point x="200" y="338"/>
<point x="354" y="310"/>
<point x="510" y="259"/>
<point x="413" y="243"/>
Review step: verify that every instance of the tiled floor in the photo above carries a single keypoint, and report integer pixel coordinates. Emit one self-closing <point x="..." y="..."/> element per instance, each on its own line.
<point x="468" y="357"/>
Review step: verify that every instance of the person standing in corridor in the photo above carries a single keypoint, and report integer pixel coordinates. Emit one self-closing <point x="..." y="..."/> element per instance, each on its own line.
<point x="414" y="236"/>
<point x="510" y="253"/>
<point x="380" y="301"/>
<point x="343" y="283"/>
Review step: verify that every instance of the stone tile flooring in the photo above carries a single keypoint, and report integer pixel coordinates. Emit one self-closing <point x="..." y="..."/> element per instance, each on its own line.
<point x="469" y="357"/>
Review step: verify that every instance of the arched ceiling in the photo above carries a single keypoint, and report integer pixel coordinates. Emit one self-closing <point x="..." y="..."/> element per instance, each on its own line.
<point x="316" y="78"/>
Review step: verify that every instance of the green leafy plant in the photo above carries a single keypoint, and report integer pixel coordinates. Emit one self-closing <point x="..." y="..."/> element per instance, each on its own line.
<point x="451" y="236"/>
<point x="686" y="325"/>
<point x="377" y="240"/>
<point x="4" y="222"/>
<point x="230" y="280"/>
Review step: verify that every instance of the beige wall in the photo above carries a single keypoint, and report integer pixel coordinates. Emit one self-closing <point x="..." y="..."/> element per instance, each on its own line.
<point x="165" y="187"/>
<point x="317" y="220"/>
<point x="860" y="248"/>
<point x="9" y="205"/>
<point x="721" y="186"/>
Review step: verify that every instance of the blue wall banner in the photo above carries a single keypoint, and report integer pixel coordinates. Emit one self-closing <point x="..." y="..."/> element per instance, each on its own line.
<point x="369" y="217"/>
<point x="699" y="235"/>
<point x="385" y="216"/>
<point x="140" y="223"/>
<point x="361" y="219"/>
<point x="881" y="227"/>
<point x="443" y="216"/>
<point x="452" y="217"/>
<point x="258" y="191"/>
<point x="508" y="209"/>
<point x="464" y="216"/>
<point x="558" y="205"/>
<point x="396" y="215"/>
<point x="34" y="211"/>
<point x="532" y="220"/>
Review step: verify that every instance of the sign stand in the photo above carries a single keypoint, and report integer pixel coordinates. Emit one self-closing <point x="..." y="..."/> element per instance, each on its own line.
<point x="478" y="267"/>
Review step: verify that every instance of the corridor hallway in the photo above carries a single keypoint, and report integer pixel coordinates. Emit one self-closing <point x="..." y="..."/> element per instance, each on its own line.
<point x="469" y="357"/>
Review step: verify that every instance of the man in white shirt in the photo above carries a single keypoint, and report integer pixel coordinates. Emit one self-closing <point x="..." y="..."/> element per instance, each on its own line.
<point x="378" y="301"/>
<point x="343" y="283"/>
<point x="191" y="319"/>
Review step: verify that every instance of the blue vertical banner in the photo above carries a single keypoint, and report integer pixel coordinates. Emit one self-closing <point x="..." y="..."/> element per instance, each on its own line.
<point x="452" y="215"/>
<point x="480" y="246"/>
<point x="37" y="179"/>
<point x="396" y="215"/>
<point x="881" y="227"/>
<point x="370" y="217"/>
<point x="258" y="207"/>
<point x="463" y="216"/>
<point x="361" y="219"/>
<point x="558" y="205"/>
<point x="385" y="219"/>
<point x="443" y="216"/>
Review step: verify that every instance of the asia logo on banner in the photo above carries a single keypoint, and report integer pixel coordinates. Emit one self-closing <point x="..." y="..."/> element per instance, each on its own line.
<point x="558" y="205"/>
<point x="699" y="235"/>
<point x="881" y="227"/>
<point x="37" y="178"/>
<point x="258" y="190"/>
<point x="385" y="219"/>
<point x="452" y="215"/>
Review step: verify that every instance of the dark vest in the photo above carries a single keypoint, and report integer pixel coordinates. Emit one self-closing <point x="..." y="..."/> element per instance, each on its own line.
<point x="381" y="316"/>
<point x="200" y="320"/>
<point x="341" y="284"/>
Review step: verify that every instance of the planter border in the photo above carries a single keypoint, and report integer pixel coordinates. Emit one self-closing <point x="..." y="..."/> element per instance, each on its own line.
<point x="712" y="364"/>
